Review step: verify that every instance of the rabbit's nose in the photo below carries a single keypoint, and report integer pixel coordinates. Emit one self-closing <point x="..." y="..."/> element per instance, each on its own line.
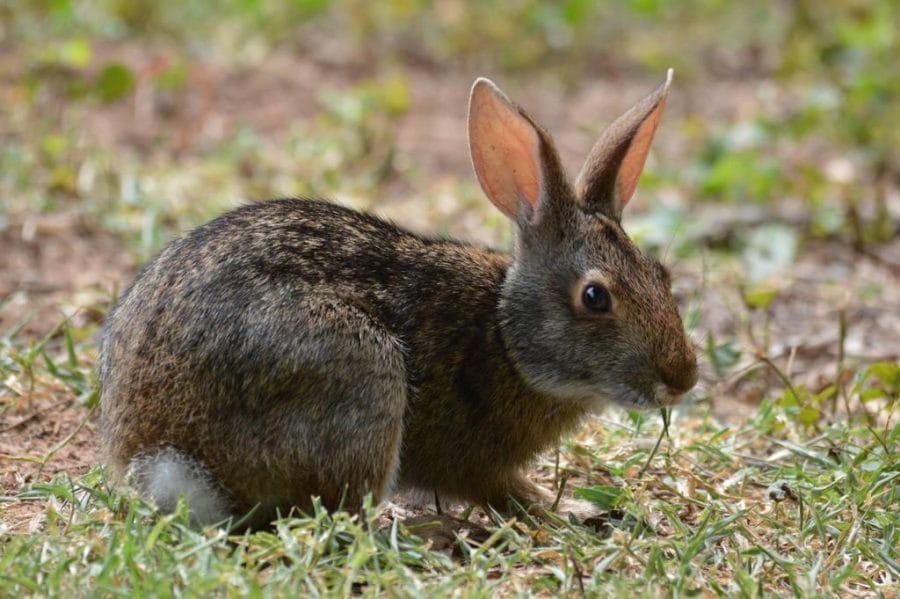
<point x="682" y="377"/>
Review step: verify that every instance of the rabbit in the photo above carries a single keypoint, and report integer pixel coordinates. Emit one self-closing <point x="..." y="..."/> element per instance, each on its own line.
<point x="293" y="348"/>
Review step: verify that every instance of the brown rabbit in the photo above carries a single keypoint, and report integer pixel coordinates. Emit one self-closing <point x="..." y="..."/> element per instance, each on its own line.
<point x="294" y="348"/>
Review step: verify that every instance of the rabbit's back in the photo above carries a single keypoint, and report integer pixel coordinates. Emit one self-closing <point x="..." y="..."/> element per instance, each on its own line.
<point x="228" y="274"/>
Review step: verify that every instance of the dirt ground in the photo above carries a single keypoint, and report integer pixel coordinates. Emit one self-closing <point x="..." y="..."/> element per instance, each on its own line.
<point x="54" y="266"/>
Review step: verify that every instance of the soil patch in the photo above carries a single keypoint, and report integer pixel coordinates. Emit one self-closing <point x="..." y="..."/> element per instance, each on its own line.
<point x="54" y="266"/>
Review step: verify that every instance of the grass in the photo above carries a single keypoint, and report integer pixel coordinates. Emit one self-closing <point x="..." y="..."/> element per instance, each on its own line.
<point x="797" y="495"/>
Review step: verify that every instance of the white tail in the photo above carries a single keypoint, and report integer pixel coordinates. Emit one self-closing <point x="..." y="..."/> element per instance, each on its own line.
<point x="166" y="475"/>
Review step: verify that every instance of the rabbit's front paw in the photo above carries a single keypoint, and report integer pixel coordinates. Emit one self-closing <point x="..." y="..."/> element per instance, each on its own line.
<point x="580" y="510"/>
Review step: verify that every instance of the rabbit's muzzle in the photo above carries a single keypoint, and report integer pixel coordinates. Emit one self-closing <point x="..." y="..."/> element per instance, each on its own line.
<point x="679" y="376"/>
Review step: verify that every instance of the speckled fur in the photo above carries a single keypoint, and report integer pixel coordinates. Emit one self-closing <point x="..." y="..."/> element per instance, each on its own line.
<point x="297" y="348"/>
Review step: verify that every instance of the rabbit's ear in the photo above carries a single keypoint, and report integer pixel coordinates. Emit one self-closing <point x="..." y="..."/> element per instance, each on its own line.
<point x="611" y="172"/>
<point x="514" y="159"/>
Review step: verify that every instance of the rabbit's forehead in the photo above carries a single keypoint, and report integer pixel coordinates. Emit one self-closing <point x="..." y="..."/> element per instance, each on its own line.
<point x="605" y="246"/>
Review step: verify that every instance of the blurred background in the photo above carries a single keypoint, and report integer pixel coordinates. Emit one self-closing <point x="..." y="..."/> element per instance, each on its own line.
<point x="773" y="188"/>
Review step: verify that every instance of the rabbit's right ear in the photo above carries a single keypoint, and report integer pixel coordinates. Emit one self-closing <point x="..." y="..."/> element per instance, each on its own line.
<point x="611" y="172"/>
<point x="514" y="159"/>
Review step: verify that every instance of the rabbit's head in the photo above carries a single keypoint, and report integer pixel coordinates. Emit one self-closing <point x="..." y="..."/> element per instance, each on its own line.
<point x="586" y="315"/>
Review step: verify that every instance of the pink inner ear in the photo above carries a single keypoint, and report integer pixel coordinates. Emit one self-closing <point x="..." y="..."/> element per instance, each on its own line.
<point x="505" y="152"/>
<point x="633" y="163"/>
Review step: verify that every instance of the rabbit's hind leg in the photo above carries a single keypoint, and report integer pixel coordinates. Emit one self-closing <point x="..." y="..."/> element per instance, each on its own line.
<point x="338" y="434"/>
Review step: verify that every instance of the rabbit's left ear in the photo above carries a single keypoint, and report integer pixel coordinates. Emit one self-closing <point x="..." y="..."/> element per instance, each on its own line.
<point x="611" y="172"/>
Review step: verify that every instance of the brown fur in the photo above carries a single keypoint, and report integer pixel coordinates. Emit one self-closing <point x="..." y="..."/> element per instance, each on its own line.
<point x="297" y="348"/>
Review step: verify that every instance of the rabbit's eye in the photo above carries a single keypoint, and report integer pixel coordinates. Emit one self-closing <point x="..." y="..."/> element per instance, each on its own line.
<point x="596" y="298"/>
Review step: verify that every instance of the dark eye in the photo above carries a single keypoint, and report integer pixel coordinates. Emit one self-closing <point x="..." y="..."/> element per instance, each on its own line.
<point x="596" y="298"/>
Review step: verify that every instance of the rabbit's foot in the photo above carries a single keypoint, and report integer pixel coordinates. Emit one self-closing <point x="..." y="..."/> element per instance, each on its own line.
<point x="541" y="503"/>
<point x="443" y="530"/>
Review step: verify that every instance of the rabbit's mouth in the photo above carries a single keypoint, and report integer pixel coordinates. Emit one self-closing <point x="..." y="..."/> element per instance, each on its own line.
<point x="596" y="397"/>
<point x="594" y="394"/>
<point x="665" y="396"/>
<point x="631" y="397"/>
